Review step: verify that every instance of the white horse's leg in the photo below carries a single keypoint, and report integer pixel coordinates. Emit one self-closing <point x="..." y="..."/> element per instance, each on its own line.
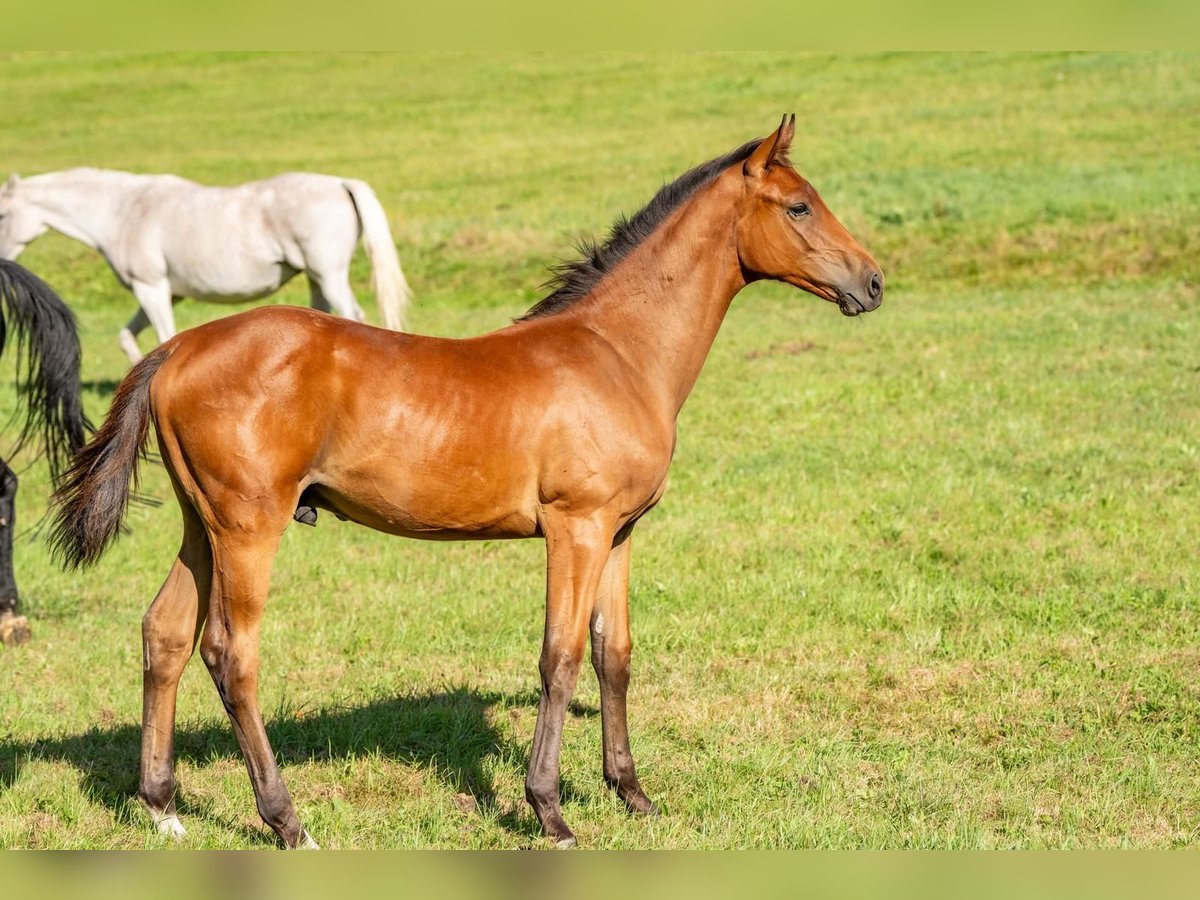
<point x="155" y="300"/>
<point x="333" y="286"/>
<point x="337" y="294"/>
<point x="316" y="298"/>
<point x="127" y="336"/>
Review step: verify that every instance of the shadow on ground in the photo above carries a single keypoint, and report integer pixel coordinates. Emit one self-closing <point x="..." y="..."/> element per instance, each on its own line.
<point x="446" y="732"/>
<point x="105" y="387"/>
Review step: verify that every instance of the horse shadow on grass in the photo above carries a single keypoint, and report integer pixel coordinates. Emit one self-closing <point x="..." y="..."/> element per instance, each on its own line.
<point x="105" y="387"/>
<point x="446" y="732"/>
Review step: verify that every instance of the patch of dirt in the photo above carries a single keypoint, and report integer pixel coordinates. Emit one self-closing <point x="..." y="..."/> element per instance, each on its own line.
<point x="791" y="348"/>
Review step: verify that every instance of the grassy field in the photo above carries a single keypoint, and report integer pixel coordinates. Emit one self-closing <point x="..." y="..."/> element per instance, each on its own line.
<point x="927" y="578"/>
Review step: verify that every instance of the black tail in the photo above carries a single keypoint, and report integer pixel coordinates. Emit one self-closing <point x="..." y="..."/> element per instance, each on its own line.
<point x="93" y="497"/>
<point x="47" y="367"/>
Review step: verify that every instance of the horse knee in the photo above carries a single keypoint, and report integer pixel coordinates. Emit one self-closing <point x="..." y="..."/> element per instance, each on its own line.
<point x="559" y="666"/>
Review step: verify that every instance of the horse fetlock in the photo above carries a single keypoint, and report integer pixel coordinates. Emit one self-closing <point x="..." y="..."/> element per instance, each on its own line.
<point x="637" y="802"/>
<point x="157" y="792"/>
<point x="278" y="812"/>
<point x="546" y="806"/>
<point x="622" y="778"/>
<point x="556" y="829"/>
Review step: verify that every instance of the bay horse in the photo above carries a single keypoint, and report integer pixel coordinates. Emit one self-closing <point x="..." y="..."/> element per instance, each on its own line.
<point x="48" y="387"/>
<point x="559" y="426"/>
<point x="166" y="238"/>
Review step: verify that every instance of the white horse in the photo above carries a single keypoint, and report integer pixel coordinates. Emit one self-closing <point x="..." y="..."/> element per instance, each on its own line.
<point x="167" y="238"/>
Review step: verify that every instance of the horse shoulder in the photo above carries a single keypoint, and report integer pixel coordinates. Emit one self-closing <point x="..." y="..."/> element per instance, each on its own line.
<point x="604" y="441"/>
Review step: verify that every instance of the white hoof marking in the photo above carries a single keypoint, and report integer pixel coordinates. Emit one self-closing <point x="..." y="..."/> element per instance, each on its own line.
<point x="170" y="826"/>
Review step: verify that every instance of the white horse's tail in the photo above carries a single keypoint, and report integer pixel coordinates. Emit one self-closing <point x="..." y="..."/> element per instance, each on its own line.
<point x="391" y="289"/>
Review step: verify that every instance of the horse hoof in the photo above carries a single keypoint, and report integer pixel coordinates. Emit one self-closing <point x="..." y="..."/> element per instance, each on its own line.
<point x="635" y="799"/>
<point x="641" y="805"/>
<point x="170" y="826"/>
<point x="13" y="629"/>
<point x="565" y="843"/>
<point x="306" y="842"/>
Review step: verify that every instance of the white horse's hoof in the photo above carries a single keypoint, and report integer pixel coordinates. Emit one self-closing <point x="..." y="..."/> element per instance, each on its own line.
<point x="170" y="826"/>
<point x="306" y="842"/>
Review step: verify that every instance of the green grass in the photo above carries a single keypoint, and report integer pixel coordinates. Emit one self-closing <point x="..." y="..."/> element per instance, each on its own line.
<point x="923" y="579"/>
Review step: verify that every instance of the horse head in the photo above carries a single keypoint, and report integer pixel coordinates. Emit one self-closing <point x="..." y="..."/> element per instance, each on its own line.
<point x="18" y="223"/>
<point x="786" y="233"/>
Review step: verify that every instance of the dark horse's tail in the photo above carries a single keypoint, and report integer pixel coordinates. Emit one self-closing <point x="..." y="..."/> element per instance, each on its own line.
<point x="95" y="491"/>
<point x="48" y="366"/>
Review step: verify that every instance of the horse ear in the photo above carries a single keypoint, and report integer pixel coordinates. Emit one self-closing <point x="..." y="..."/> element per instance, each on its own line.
<point x="773" y="150"/>
<point x="12" y="181"/>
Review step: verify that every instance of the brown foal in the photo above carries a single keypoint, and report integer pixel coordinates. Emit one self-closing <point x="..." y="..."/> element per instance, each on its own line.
<point x="560" y="426"/>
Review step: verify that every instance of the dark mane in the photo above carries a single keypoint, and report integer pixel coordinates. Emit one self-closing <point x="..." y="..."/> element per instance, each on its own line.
<point x="573" y="280"/>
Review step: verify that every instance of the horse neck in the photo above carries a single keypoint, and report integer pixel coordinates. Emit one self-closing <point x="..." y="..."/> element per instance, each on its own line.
<point x="75" y="204"/>
<point x="662" y="306"/>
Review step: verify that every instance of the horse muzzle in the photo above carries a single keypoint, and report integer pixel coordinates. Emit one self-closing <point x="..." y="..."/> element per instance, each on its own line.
<point x="864" y="299"/>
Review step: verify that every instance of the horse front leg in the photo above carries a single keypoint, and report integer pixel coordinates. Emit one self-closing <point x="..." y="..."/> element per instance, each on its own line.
<point x="14" y="628"/>
<point x="576" y="552"/>
<point x="612" y="648"/>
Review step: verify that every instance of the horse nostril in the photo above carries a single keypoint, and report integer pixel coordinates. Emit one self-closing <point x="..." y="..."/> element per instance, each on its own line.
<point x="875" y="289"/>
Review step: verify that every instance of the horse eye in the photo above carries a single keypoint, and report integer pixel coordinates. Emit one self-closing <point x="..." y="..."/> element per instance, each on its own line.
<point x="800" y="209"/>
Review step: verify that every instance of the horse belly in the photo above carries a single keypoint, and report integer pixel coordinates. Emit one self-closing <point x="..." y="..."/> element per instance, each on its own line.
<point x="429" y="518"/>
<point x="231" y="280"/>
<point x="435" y="498"/>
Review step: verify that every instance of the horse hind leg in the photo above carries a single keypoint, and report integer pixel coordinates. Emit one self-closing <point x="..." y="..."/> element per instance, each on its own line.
<point x="229" y="646"/>
<point x="329" y="291"/>
<point x="169" y="633"/>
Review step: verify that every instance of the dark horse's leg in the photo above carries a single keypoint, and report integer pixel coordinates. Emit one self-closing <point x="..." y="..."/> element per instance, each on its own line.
<point x="13" y="627"/>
